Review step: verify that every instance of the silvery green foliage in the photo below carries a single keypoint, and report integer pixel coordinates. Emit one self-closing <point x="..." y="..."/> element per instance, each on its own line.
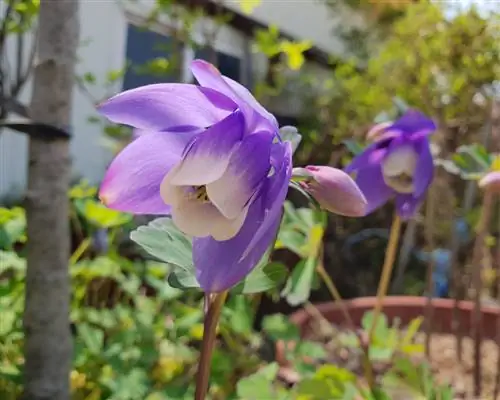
<point x="291" y="134"/>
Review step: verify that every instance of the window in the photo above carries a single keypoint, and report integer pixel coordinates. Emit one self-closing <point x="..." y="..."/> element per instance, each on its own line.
<point x="228" y="65"/>
<point x="144" y="46"/>
<point x="284" y="120"/>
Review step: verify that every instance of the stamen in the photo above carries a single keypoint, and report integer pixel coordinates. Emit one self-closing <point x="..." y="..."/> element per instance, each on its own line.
<point x="402" y="183"/>
<point x="200" y="193"/>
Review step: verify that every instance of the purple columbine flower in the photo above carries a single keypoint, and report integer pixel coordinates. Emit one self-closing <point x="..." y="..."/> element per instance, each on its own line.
<point x="398" y="164"/>
<point x="211" y="157"/>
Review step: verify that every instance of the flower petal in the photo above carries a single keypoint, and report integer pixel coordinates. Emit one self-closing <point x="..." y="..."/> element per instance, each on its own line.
<point x="247" y="169"/>
<point x="276" y="189"/>
<point x="414" y="122"/>
<point x="256" y="116"/>
<point x="407" y="205"/>
<point x="372" y="155"/>
<point x="203" y="219"/>
<point x="245" y="95"/>
<point x="207" y="157"/>
<point x="221" y="265"/>
<point x="336" y="191"/>
<point x="424" y="171"/>
<point x="132" y="181"/>
<point x="168" y="106"/>
<point x="372" y="184"/>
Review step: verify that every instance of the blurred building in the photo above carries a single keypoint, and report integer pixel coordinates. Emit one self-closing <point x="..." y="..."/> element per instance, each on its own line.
<point x="112" y="35"/>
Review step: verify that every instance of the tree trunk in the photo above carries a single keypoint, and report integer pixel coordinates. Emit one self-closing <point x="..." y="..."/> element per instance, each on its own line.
<point x="48" y="345"/>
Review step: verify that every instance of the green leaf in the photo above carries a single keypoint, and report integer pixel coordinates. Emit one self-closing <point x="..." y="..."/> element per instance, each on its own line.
<point x="161" y="239"/>
<point x="182" y="279"/>
<point x="247" y="6"/>
<point x="7" y="322"/>
<point x="292" y="240"/>
<point x="93" y="338"/>
<point x="10" y="260"/>
<point x="298" y="286"/>
<point x="262" y="279"/>
<point x="381" y="330"/>
<point x="377" y="353"/>
<point x="239" y="313"/>
<point x="101" y="216"/>
<point x="279" y="327"/>
<point x="164" y="290"/>
<point x="411" y="331"/>
<point x="292" y="135"/>
<point x="353" y="146"/>
<point x="258" y="386"/>
<point x="316" y="389"/>
<point x="312" y="350"/>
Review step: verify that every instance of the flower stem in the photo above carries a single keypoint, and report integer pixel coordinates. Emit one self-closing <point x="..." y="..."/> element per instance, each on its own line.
<point x="209" y="334"/>
<point x="390" y="256"/>
<point x="477" y="269"/>
<point x="332" y="289"/>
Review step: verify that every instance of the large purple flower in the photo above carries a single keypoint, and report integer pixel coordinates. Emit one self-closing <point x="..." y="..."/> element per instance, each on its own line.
<point x="399" y="164"/>
<point x="209" y="155"/>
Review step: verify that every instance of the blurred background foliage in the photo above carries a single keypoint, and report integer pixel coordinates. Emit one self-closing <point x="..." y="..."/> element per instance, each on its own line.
<point x="136" y="335"/>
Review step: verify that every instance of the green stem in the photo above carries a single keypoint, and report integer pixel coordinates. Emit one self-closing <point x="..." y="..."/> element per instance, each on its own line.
<point x="332" y="289"/>
<point x="390" y="256"/>
<point x="82" y="248"/>
<point x="477" y="269"/>
<point x="209" y="334"/>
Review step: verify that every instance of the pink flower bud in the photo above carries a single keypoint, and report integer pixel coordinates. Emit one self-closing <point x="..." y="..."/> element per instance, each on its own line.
<point x="491" y="181"/>
<point x="335" y="191"/>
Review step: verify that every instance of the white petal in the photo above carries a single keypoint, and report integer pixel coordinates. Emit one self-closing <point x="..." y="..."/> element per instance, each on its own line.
<point x="402" y="160"/>
<point x="195" y="218"/>
<point x="171" y="194"/>
<point x="229" y="228"/>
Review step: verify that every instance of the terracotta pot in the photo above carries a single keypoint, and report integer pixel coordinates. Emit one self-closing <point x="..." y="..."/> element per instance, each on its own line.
<point x="406" y="308"/>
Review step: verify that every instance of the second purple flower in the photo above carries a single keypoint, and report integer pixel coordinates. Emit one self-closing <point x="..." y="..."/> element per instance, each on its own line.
<point x="399" y="164"/>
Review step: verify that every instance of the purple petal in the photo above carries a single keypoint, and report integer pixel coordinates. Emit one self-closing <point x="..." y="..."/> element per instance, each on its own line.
<point x="207" y="157"/>
<point x="168" y="106"/>
<point x="372" y="155"/>
<point x="414" y="122"/>
<point x="245" y="95"/>
<point x="377" y="130"/>
<point x="221" y="265"/>
<point x="407" y="205"/>
<point x="247" y="169"/>
<point x="425" y="167"/>
<point x="276" y="188"/>
<point x="372" y="184"/>
<point x="132" y="181"/>
<point x="209" y="77"/>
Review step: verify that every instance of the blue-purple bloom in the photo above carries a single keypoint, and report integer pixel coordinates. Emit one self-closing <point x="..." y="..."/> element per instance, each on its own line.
<point x="398" y="164"/>
<point x="210" y="156"/>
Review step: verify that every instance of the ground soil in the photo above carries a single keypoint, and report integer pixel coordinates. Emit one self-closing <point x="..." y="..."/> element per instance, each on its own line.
<point x="443" y="359"/>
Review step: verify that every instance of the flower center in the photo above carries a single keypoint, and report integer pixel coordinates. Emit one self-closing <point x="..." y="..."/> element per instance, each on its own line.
<point x="398" y="169"/>
<point x="402" y="183"/>
<point x="200" y="193"/>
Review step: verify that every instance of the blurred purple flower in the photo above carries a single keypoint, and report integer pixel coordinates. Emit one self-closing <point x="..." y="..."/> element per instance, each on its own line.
<point x="335" y="191"/>
<point x="100" y="241"/>
<point x="209" y="155"/>
<point x="398" y="164"/>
